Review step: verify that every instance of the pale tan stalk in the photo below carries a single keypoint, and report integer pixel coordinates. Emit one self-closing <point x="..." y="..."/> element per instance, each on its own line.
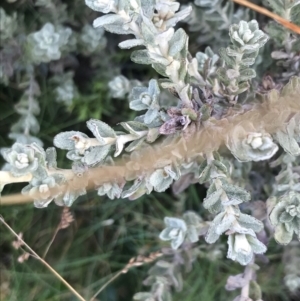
<point x="35" y="255"/>
<point x="291" y="26"/>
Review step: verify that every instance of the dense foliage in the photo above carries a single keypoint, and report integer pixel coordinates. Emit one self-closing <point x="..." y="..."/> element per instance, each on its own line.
<point x="213" y="115"/>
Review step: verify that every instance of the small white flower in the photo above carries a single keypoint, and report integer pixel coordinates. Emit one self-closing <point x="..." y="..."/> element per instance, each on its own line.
<point x="119" y="86"/>
<point x="241" y="244"/>
<point x="66" y="92"/>
<point x="44" y="188"/>
<point x="253" y="146"/>
<point x="193" y="70"/>
<point x="162" y="41"/>
<point x="104" y="6"/>
<point x="134" y="4"/>
<point x="255" y="142"/>
<point x="81" y="143"/>
<point x="92" y="39"/>
<point x="292" y="281"/>
<point x="22" y="161"/>
<point x="175" y="231"/>
<point x="22" y="158"/>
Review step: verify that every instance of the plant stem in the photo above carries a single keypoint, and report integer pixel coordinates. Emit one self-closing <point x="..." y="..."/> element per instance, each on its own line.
<point x="52" y="240"/>
<point x="105" y="285"/>
<point x="15" y="199"/>
<point x="34" y="254"/>
<point x="248" y="275"/>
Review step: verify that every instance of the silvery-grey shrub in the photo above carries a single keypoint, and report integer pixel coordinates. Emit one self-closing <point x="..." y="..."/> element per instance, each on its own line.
<point x="224" y="88"/>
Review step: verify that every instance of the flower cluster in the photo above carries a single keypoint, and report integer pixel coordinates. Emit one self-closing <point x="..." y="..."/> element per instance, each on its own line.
<point x="104" y="6"/>
<point x="247" y="36"/>
<point x="251" y="147"/>
<point x="8" y="25"/>
<point x="143" y="98"/>
<point x="41" y="187"/>
<point x="285" y="217"/>
<point x="66" y="92"/>
<point x="48" y="43"/>
<point x="246" y="39"/>
<point x="22" y="159"/>
<point x="119" y="86"/>
<point x="92" y="39"/>
<point x="240" y="228"/>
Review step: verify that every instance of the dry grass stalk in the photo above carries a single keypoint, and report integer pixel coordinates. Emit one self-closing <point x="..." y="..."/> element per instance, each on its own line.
<point x="140" y="260"/>
<point x="35" y="255"/>
<point x="19" y="242"/>
<point x="291" y="26"/>
<point x="65" y="220"/>
<point x="23" y="257"/>
<point x="133" y="262"/>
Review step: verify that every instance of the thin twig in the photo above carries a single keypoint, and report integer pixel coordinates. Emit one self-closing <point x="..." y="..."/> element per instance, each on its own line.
<point x="264" y="11"/>
<point x="106" y="284"/>
<point x="34" y="254"/>
<point x="65" y="220"/>
<point x="133" y="262"/>
<point x="248" y="276"/>
<point x="52" y="240"/>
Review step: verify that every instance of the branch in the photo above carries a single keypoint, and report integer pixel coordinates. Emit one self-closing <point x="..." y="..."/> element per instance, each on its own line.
<point x="6" y="178"/>
<point x="15" y="199"/>
<point x="291" y="26"/>
<point x="271" y="115"/>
